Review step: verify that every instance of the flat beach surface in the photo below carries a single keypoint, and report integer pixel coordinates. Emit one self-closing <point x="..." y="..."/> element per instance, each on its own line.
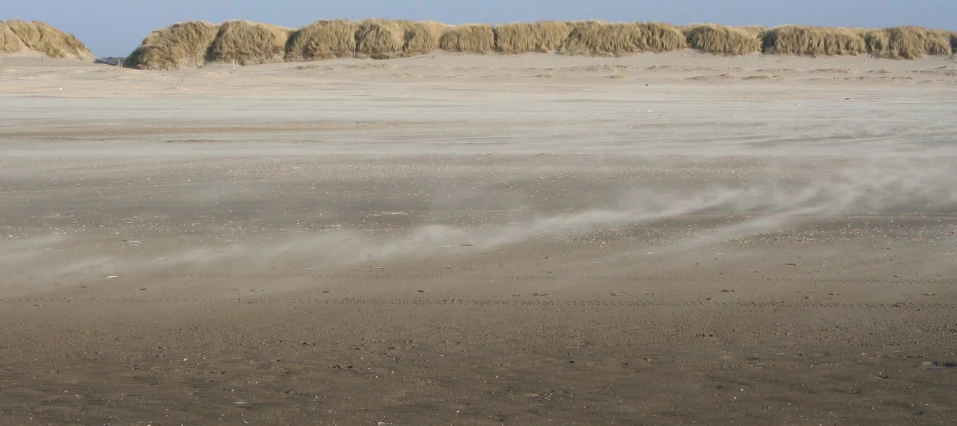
<point x="658" y="239"/>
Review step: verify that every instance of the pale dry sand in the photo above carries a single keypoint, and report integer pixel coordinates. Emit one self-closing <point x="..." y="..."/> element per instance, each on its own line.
<point x="657" y="239"/>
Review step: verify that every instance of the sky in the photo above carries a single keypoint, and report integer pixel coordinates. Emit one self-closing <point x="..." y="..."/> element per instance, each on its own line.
<point x="116" y="27"/>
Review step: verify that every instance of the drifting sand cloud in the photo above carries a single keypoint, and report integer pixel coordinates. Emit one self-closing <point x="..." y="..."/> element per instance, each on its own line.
<point x="879" y="186"/>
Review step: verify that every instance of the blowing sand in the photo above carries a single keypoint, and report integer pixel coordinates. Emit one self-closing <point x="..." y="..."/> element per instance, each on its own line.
<point x="660" y="239"/>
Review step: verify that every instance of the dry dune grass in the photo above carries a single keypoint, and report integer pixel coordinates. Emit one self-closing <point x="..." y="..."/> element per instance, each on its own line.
<point x="248" y="43"/>
<point x="581" y="35"/>
<point x="595" y="38"/>
<point x="755" y="30"/>
<point x="9" y="42"/>
<point x="471" y="38"/>
<point x="878" y="43"/>
<point x="381" y="39"/>
<point x="48" y="40"/>
<point x="908" y="42"/>
<point x="712" y="38"/>
<point x="253" y="43"/>
<point x="813" y="41"/>
<point x="323" y="40"/>
<point x="660" y="37"/>
<point x="423" y="37"/>
<point x="181" y="44"/>
<point x="939" y="42"/>
<point x="539" y="37"/>
<point x="598" y="38"/>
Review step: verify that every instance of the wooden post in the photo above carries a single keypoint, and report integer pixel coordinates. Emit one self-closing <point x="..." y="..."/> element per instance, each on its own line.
<point x="182" y="78"/>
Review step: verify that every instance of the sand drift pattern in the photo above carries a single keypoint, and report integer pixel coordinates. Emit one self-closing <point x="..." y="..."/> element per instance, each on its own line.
<point x="881" y="187"/>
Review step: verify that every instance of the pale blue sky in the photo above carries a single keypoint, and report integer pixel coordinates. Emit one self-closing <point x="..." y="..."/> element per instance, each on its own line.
<point x="115" y="27"/>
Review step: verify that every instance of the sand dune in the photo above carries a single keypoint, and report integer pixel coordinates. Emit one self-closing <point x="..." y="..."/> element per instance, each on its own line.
<point x="36" y="38"/>
<point x="178" y="45"/>
<point x="198" y="43"/>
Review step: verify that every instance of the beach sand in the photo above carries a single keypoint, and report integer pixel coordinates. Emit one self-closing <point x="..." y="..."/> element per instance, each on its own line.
<point x="658" y="239"/>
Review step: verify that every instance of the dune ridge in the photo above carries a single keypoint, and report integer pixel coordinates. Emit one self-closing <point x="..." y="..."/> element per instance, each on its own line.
<point x="197" y="43"/>
<point x="21" y="37"/>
